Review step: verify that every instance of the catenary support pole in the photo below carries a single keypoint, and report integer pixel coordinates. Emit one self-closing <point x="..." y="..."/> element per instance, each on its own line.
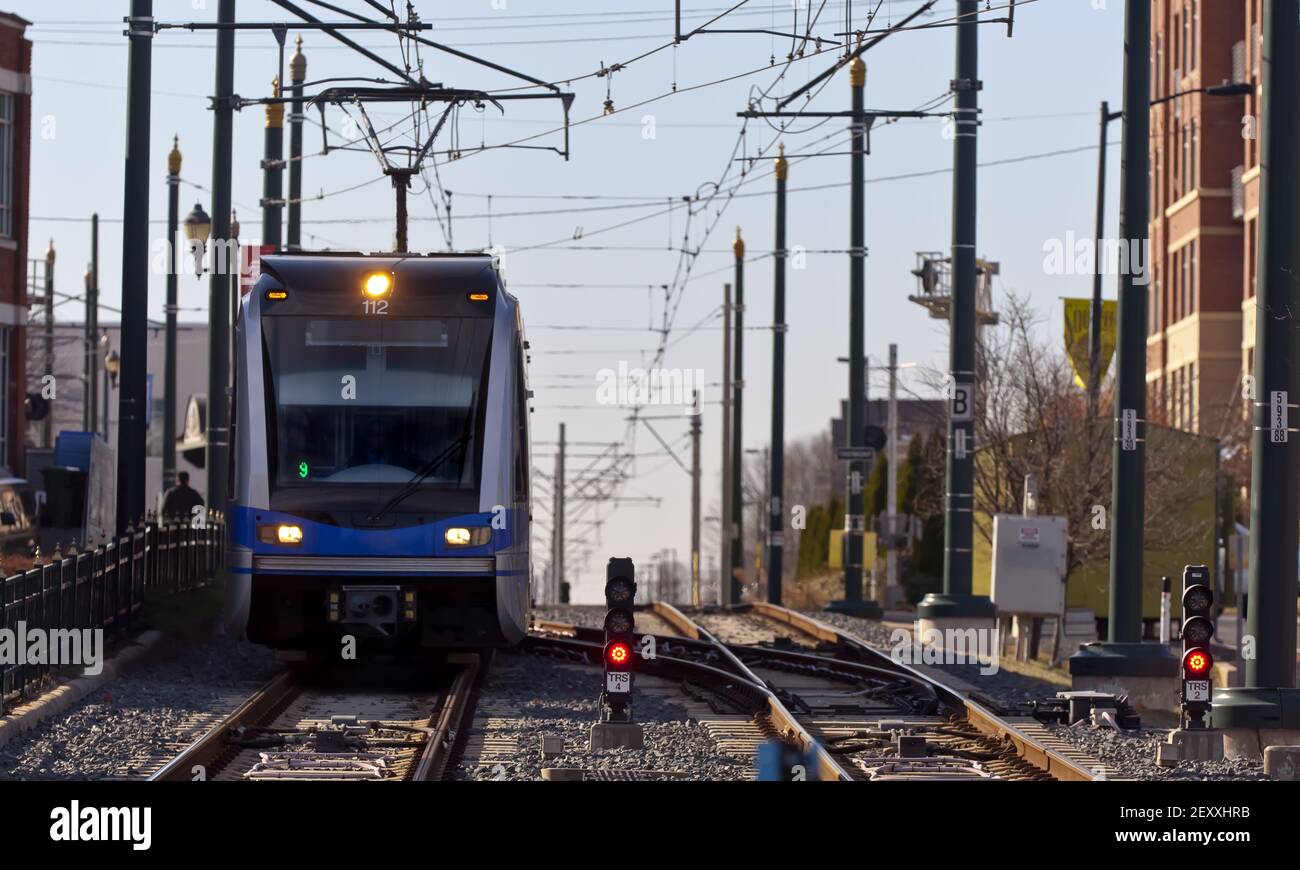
<point x="223" y="269"/>
<point x="737" y="519"/>
<point x="776" y="472"/>
<point x="956" y="602"/>
<point x="724" y="521"/>
<point x="135" y="273"/>
<point x="297" y="75"/>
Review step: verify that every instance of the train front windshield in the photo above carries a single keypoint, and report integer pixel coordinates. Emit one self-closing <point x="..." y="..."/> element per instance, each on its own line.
<point x="362" y="408"/>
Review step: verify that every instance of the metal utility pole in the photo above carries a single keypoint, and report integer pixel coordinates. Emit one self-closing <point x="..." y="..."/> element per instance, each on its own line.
<point x="1269" y="698"/>
<point x="776" y="472"/>
<point x="956" y="602"/>
<point x="47" y="427"/>
<point x="135" y="273"/>
<point x="273" y="171"/>
<point x="891" y="515"/>
<point x="401" y="181"/>
<point x="724" y="525"/>
<point x="1129" y="477"/>
<point x="1094" y="327"/>
<point x="558" y="519"/>
<point x="173" y="276"/>
<point x="855" y="425"/>
<point x="297" y="75"/>
<point x="696" y="424"/>
<point x="737" y="519"/>
<point x="1123" y="654"/>
<point x="218" y="434"/>
<point x="90" y="406"/>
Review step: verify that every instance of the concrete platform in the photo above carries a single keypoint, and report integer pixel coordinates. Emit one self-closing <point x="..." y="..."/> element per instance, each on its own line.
<point x="1253" y="742"/>
<point x="1282" y="763"/>
<point x="1148" y="673"/>
<point x="943" y="624"/>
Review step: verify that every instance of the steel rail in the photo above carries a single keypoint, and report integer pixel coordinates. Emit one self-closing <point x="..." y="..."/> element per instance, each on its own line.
<point x="1044" y="758"/>
<point x="828" y="767"/>
<point x="203" y="752"/>
<point x="456" y="709"/>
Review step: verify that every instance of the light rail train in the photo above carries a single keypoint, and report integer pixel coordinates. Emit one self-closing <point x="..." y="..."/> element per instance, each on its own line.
<point x="380" y="474"/>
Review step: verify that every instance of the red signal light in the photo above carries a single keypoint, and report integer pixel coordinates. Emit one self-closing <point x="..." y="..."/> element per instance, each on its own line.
<point x="618" y="654"/>
<point x="1197" y="663"/>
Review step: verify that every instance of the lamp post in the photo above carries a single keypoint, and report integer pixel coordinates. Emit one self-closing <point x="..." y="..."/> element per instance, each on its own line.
<point x="169" y="363"/>
<point x="297" y="75"/>
<point x="198" y="226"/>
<point x="112" y="365"/>
<point x="90" y="407"/>
<point x="47" y="428"/>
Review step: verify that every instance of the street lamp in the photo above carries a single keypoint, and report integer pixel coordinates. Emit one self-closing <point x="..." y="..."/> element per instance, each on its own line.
<point x="1227" y="89"/>
<point x="112" y="365"/>
<point x="198" y="226"/>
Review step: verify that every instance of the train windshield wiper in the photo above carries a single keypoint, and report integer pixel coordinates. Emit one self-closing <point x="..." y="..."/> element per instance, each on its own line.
<point x="419" y="477"/>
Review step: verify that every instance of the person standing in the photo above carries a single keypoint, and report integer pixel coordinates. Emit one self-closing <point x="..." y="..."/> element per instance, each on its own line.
<point x="179" y="501"/>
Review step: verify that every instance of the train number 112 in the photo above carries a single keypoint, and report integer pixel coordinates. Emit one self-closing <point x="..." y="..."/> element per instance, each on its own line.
<point x="375" y="306"/>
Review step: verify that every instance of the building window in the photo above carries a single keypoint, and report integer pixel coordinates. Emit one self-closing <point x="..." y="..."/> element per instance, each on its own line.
<point x="1193" y="291"/>
<point x="1195" y="26"/>
<point x="4" y="396"/>
<point x="1191" y="159"/>
<point x="6" y="165"/>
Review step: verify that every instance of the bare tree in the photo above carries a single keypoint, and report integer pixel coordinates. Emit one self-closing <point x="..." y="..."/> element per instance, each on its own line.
<point x="1030" y="417"/>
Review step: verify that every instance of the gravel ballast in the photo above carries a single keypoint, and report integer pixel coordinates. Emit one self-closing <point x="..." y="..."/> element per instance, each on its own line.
<point x="1132" y="753"/>
<point x="143" y="716"/>
<point x="526" y="698"/>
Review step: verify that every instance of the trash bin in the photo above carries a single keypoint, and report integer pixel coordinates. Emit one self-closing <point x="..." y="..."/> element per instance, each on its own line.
<point x="65" y="495"/>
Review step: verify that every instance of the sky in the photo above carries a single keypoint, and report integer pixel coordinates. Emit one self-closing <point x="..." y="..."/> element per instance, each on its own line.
<point x="589" y="271"/>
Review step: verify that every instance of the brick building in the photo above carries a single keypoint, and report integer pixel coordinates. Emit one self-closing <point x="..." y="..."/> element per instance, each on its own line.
<point x="15" y="166"/>
<point x="1204" y="207"/>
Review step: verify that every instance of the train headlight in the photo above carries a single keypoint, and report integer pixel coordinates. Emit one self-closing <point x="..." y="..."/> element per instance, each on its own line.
<point x="461" y="536"/>
<point x="378" y="285"/>
<point x="284" y="533"/>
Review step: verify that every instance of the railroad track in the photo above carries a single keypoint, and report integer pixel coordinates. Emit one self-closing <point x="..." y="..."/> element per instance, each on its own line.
<point x="304" y="727"/>
<point x="856" y="713"/>
<point x="1015" y="747"/>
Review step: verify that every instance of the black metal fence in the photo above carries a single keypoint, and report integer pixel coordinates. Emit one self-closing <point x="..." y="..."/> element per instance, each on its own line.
<point x="101" y="588"/>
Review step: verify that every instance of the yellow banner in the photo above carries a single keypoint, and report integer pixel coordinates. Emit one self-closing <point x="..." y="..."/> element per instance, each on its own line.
<point x="1078" y="317"/>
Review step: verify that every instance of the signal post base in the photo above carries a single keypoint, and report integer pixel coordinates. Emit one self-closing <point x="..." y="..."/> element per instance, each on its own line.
<point x="1254" y="719"/>
<point x="616" y="735"/>
<point x="1148" y="673"/>
<point x="867" y="609"/>
<point x="1191" y="744"/>
<point x="955" y="612"/>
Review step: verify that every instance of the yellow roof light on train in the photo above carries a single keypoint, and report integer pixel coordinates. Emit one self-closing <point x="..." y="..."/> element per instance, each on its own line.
<point x="378" y="284"/>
